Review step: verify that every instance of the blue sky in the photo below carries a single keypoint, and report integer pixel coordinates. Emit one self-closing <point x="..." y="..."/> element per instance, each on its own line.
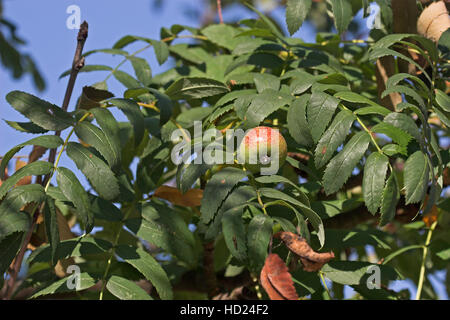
<point x="43" y="25"/>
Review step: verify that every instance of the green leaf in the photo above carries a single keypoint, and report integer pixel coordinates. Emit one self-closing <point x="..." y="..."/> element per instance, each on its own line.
<point x="83" y="281"/>
<point x="416" y="176"/>
<point x="357" y="98"/>
<point x="76" y="247"/>
<point x="195" y="88"/>
<point x="443" y="100"/>
<point x="32" y="169"/>
<point x="258" y="238"/>
<point x="12" y="219"/>
<point x="110" y="128"/>
<point x="240" y="198"/>
<point x="233" y="229"/>
<point x="95" y="137"/>
<point x="49" y="142"/>
<point x="396" y="134"/>
<point x="341" y="166"/>
<point x="404" y="122"/>
<point x="27" y="127"/>
<point x="132" y="111"/>
<point x="125" y="79"/>
<point x="142" y="70"/>
<point x="264" y="104"/>
<point x="312" y="216"/>
<point x="51" y="226"/>
<point x="342" y="11"/>
<point x="391" y="195"/>
<point x="355" y="272"/>
<point x="217" y="189"/>
<point x="373" y="181"/>
<point x="223" y="35"/>
<point x="164" y="104"/>
<point x="265" y="81"/>
<point x="40" y="112"/>
<point x="187" y="118"/>
<point x="341" y="239"/>
<point x="281" y="179"/>
<point x="319" y="112"/>
<point x="125" y="289"/>
<point x="296" y="121"/>
<point x="333" y="137"/>
<point x="96" y="171"/>
<point x="149" y="267"/>
<point x="163" y="235"/>
<point x="396" y="78"/>
<point x="188" y="173"/>
<point x="296" y="12"/>
<point x="74" y="192"/>
<point x="9" y="246"/>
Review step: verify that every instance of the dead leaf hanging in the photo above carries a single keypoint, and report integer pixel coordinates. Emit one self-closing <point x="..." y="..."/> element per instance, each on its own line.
<point x="276" y="279"/>
<point x="312" y="261"/>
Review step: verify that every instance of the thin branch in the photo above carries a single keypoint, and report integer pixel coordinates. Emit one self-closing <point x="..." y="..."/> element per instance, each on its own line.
<point x="78" y="63"/>
<point x="219" y="10"/>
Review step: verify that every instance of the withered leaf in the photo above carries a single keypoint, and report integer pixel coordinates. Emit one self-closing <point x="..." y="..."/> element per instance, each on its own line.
<point x="312" y="261"/>
<point x="192" y="198"/>
<point x="276" y="279"/>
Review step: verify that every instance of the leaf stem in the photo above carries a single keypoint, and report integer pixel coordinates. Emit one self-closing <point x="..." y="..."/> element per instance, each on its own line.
<point x="325" y="284"/>
<point x="424" y="256"/>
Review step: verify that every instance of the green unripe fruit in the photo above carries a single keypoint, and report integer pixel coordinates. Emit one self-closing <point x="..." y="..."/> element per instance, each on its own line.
<point x="263" y="150"/>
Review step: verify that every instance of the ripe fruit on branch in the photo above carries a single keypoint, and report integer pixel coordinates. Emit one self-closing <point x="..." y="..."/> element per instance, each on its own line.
<point x="263" y="149"/>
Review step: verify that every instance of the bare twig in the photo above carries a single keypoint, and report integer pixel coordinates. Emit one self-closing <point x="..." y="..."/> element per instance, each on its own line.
<point x="219" y="10"/>
<point x="78" y="63"/>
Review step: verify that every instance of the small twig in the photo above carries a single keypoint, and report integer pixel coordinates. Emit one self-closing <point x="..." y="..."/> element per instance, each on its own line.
<point x="219" y="10"/>
<point x="78" y="63"/>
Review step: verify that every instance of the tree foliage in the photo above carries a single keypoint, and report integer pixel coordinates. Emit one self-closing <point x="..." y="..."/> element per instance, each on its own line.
<point x="363" y="185"/>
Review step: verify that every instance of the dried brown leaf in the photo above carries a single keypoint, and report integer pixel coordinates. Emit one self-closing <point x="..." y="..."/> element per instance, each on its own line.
<point x="276" y="279"/>
<point x="312" y="261"/>
<point x="192" y="198"/>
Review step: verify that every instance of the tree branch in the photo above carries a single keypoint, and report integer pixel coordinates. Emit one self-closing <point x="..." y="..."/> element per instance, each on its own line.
<point x="78" y="63"/>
